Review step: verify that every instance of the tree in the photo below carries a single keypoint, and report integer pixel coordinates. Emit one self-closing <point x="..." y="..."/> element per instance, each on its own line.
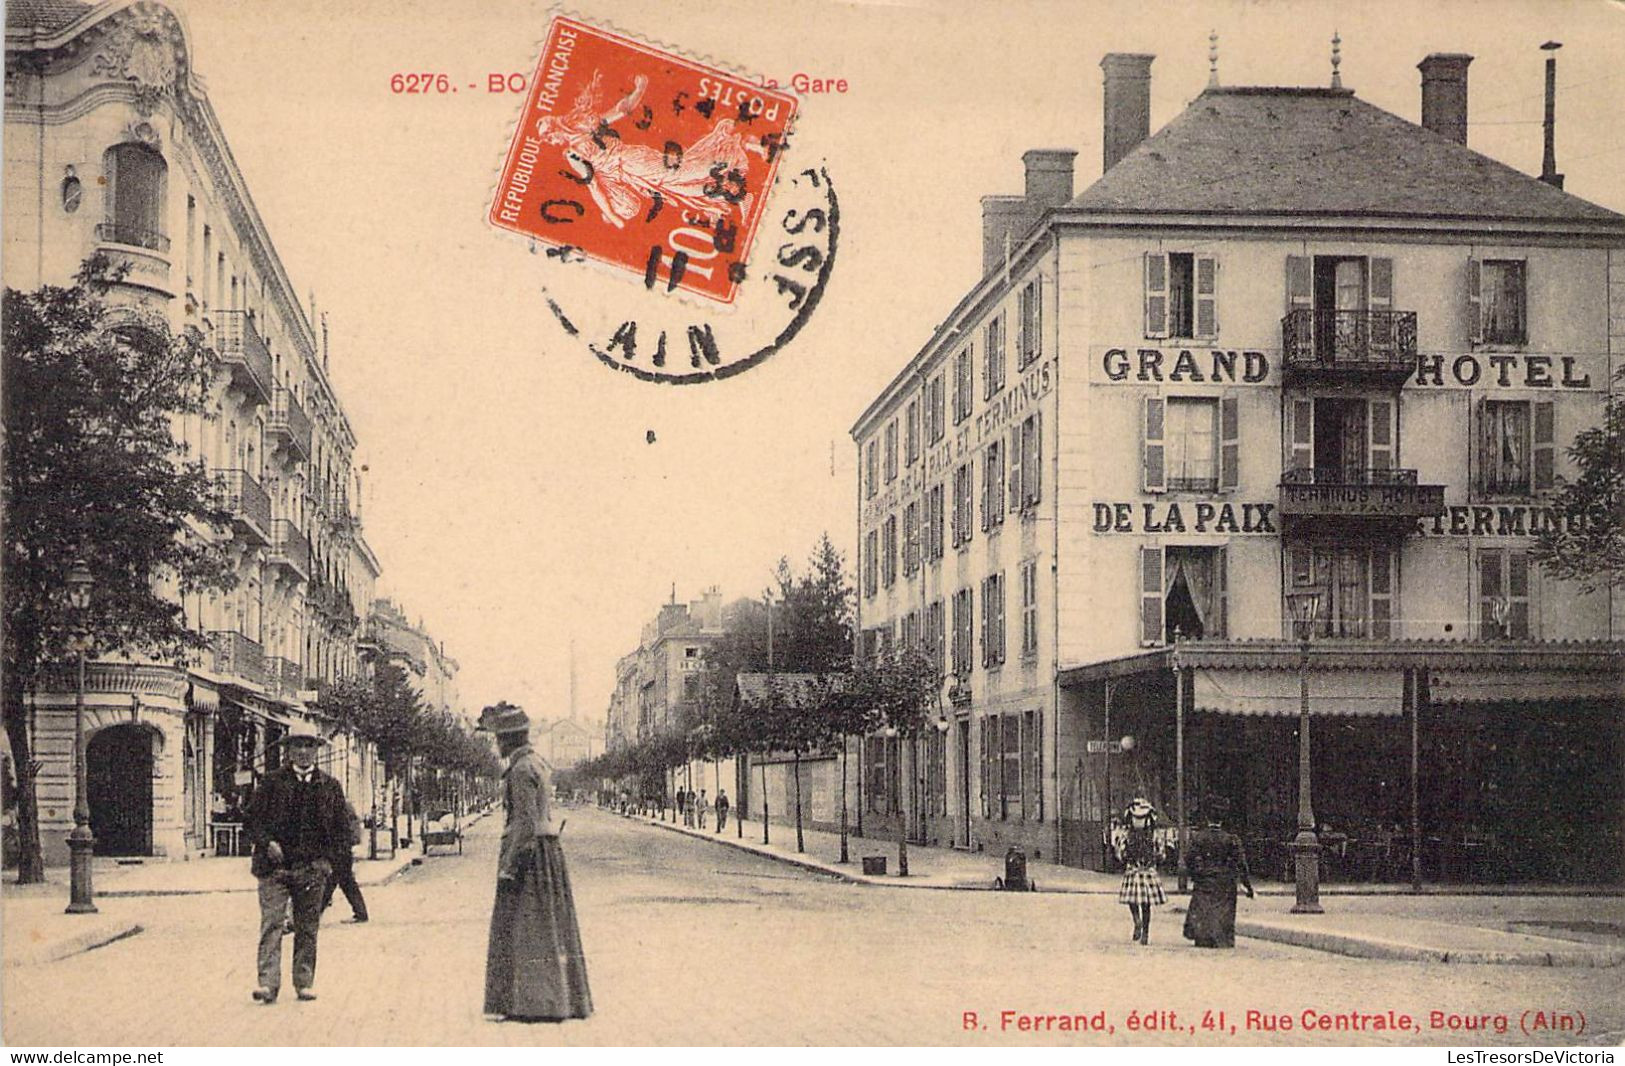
<point x="93" y="472"/>
<point x="902" y="688"/>
<point x="1589" y="545"/>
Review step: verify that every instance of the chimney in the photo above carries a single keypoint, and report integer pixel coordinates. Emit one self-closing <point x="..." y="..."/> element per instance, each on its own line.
<point x="1005" y="220"/>
<point x="1548" y="164"/>
<point x="1049" y="177"/>
<point x="1444" y="94"/>
<point x="1128" y="104"/>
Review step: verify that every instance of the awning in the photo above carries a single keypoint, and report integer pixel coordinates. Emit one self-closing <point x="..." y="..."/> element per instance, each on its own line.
<point x="1276" y="692"/>
<point x="1523" y="686"/>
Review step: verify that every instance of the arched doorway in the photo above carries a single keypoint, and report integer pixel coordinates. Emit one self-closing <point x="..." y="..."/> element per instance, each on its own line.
<point x="118" y="780"/>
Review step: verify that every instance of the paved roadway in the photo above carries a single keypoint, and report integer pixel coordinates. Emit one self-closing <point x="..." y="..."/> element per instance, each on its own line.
<point x="690" y="942"/>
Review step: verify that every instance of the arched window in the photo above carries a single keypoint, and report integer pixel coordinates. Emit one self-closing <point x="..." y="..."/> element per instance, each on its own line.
<point x="137" y="180"/>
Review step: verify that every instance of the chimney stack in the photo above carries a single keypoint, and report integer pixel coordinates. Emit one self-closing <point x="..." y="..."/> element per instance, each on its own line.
<point x="1128" y="104"/>
<point x="1548" y="164"/>
<point x="1049" y="177"/>
<point x="1006" y="220"/>
<point x="1444" y="94"/>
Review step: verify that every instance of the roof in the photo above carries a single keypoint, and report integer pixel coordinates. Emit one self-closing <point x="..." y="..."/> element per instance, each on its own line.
<point x="1293" y="151"/>
<point x="47" y="15"/>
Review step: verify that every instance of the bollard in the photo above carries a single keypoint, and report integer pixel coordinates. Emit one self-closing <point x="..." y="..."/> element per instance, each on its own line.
<point x="1015" y="870"/>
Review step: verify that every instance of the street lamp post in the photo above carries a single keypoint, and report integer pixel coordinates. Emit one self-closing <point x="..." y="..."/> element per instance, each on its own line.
<point x="1305" y="607"/>
<point x="81" y="841"/>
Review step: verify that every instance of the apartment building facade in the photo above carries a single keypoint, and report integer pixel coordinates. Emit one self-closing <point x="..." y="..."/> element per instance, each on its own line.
<point x="1292" y="343"/>
<point x="112" y="148"/>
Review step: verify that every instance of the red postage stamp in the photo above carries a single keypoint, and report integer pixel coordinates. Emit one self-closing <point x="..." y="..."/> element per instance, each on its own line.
<point x="643" y="159"/>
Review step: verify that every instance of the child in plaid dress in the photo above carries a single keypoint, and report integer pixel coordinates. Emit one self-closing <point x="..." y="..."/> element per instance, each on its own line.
<point x="1142" y="888"/>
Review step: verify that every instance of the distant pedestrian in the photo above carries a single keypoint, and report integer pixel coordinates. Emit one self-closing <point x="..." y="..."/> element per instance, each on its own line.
<point x="344" y="873"/>
<point x="702" y="807"/>
<point x="722" y="809"/>
<point x="1215" y="860"/>
<point x="688" y="808"/>
<point x="534" y="966"/>
<point x="1142" y="888"/>
<point x="682" y="812"/>
<point x="298" y="828"/>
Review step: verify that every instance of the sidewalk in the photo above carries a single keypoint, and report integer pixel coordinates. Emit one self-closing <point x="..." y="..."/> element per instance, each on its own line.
<point x="1380" y="922"/>
<point x="35" y="929"/>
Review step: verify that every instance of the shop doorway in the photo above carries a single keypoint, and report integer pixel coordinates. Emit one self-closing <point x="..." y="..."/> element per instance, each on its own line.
<point x="118" y="779"/>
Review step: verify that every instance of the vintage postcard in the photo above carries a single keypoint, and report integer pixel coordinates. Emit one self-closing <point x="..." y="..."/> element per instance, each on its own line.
<point x="1036" y="524"/>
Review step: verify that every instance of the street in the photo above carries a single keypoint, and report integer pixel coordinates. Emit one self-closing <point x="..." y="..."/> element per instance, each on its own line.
<point x="689" y="942"/>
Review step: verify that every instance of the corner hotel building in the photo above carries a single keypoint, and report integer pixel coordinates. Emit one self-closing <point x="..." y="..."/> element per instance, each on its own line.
<point x="1290" y="342"/>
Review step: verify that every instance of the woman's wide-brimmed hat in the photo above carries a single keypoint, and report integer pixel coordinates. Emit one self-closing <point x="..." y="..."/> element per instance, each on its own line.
<point x="1140" y="812"/>
<point x="503" y="718"/>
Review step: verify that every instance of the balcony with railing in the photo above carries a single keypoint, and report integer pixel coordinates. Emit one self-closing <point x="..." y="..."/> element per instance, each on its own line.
<point x="244" y="352"/>
<point x="237" y="656"/>
<point x="289" y="425"/>
<point x="142" y="254"/>
<point x="1341" y="346"/>
<point x="1370" y="495"/>
<point x="249" y="505"/>
<point x="290" y="549"/>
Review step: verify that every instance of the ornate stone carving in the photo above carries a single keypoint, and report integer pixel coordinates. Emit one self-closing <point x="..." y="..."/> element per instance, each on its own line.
<point x="139" y="50"/>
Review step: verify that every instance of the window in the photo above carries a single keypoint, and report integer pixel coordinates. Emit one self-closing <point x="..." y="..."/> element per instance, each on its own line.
<point x="1190" y="444"/>
<point x="878" y="776"/>
<point x="1032" y="764"/>
<point x="934" y="522"/>
<point x="1032" y="320"/>
<point x="1341" y="440"/>
<point x="1503" y="594"/>
<point x="993" y="484"/>
<point x="1029" y="608"/>
<point x="888" y="553"/>
<point x="993" y="358"/>
<point x="691" y="689"/>
<point x="992" y="621"/>
<point x="891" y="450"/>
<point x="871" y="644"/>
<point x="1497" y="301"/>
<point x="936" y="637"/>
<point x="936" y="774"/>
<point x="1181" y="295"/>
<point x="911" y="433"/>
<point x="1357" y="588"/>
<point x="872" y="467"/>
<point x="871" y="563"/>
<point x="1010" y="766"/>
<point x="1184" y="593"/>
<point x="137" y="177"/>
<point x="990" y="761"/>
<point x="962" y="385"/>
<point x="911" y="538"/>
<point x="935" y="418"/>
<point x="964" y="477"/>
<point x="1026" y="456"/>
<point x="1516" y="447"/>
<point x="911" y="630"/>
<point x="962" y="634"/>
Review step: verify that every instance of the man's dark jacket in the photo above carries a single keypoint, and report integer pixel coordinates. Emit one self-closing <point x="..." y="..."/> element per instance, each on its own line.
<point x="310" y="821"/>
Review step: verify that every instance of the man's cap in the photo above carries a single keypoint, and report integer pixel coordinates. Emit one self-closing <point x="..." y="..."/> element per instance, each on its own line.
<point x="504" y="718"/>
<point x="304" y="732"/>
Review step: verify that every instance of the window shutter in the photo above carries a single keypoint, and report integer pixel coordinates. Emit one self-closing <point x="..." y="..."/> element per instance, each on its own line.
<point x="1034" y="466"/>
<point x="1475" y="302"/>
<point x="1038" y="763"/>
<point x="1482" y="436"/>
<point x="987" y="488"/>
<point x="1150" y="596"/>
<point x="1544" y="451"/>
<point x="1301" y="435"/>
<point x="1156" y="294"/>
<point x="1221" y="582"/>
<point x="1207" y="296"/>
<point x="1015" y="469"/>
<point x="1382" y="434"/>
<point x="1038" y="320"/>
<point x="1489" y="588"/>
<point x="1380" y="295"/>
<point x="1152" y="449"/>
<point x="999" y="599"/>
<point x="1229" y="443"/>
<point x="1382" y="594"/>
<point x="1300" y="292"/>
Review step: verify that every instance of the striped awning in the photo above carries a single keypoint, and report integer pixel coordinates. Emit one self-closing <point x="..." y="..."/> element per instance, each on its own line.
<point x="1276" y="692"/>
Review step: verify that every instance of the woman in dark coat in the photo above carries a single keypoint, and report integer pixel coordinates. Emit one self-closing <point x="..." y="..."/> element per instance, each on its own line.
<point x="534" y="966"/>
<point x="1215" y="861"/>
<point x="1142" y="888"/>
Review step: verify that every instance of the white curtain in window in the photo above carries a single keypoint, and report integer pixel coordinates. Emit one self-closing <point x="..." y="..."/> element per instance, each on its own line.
<point x="1189" y="436"/>
<point x="1195" y="569"/>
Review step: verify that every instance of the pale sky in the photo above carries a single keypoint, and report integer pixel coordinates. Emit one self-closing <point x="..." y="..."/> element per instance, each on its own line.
<point x="511" y="495"/>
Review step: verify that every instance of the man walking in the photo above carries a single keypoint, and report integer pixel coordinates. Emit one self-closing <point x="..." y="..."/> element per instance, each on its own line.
<point x="298" y="827"/>
<point x="682" y="811"/>
<point x="722" y="809"/>
<point x="344" y="873"/>
<point x="701" y="806"/>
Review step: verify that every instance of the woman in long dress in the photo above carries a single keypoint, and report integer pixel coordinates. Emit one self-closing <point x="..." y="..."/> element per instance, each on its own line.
<point x="534" y="966"/>
<point x="1215" y="861"/>
<point x="1142" y="888"/>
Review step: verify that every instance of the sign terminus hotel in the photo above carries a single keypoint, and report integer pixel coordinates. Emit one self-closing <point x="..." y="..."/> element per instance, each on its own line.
<point x="643" y="160"/>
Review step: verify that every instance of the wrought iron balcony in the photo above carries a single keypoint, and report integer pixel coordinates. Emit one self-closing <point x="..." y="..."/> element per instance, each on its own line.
<point x="250" y="507"/>
<point x="236" y="655"/>
<point x="243" y="351"/>
<point x="1349" y="345"/>
<point x="1339" y="493"/>
<point x="290" y="549"/>
<point x="133" y="236"/>
<point x="289" y="424"/>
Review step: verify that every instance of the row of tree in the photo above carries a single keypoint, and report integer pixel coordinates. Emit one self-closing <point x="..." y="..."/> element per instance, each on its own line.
<point x="805" y="691"/>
